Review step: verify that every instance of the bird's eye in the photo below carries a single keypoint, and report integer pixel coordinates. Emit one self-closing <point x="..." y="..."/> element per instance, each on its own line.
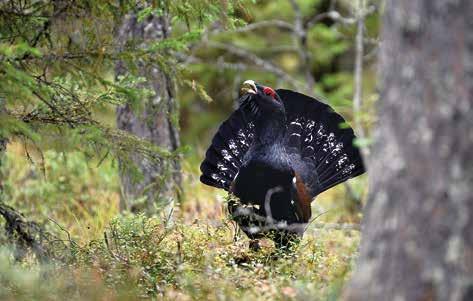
<point x="269" y="91"/>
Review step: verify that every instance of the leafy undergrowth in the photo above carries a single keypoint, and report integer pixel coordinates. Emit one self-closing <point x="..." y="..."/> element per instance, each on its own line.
<point x="141" y="257"/>
<point x="64" y="188"/>
<point x="197" y="256"/>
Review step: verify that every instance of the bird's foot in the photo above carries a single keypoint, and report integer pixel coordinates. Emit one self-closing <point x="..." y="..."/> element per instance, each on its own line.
<point x="254" y="245"/>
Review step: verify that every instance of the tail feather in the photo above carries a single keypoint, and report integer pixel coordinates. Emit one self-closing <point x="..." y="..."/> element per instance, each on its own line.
<point x="315" y="133"/>
<point x="225" y="155"/>
<point x="295" y="131"/>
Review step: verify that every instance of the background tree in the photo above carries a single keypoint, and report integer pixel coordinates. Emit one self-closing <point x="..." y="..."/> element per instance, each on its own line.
<point x="156" y="121"/>
<point x="417" y="240"/>
<point x="64" y="71"/>
<point x="3" y="146"/>
<point x="55" y="64"/>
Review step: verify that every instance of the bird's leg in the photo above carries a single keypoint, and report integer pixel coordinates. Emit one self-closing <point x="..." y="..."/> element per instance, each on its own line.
<point x="254" y="245"/>
<point x="285" y="242"/>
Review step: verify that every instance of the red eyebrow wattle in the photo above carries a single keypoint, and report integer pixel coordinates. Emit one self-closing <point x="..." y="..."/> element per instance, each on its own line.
<point x="269" y="91"/>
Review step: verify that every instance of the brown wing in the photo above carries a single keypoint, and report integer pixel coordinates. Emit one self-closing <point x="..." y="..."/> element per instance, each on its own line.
<point x="303" y="199"/>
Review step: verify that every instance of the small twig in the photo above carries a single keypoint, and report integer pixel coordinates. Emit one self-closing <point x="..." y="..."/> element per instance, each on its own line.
<point x="316" y="217"/>
<point x="114" y="255"/>
<point x="103" y="158"/>
<point x="69" y="239"/>
<point x="336" y="226"/>
<point x="337" y="17"/>
<point x="256" y="60"/>
<point x="266" y="23"/>
<point x="54" y="109"/>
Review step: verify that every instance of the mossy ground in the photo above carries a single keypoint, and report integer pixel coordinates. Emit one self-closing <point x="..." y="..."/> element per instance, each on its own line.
<point x="199" y="256"/>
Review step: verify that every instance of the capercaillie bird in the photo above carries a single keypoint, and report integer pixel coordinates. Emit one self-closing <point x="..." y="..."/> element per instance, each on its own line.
<point x="276" y="153"/>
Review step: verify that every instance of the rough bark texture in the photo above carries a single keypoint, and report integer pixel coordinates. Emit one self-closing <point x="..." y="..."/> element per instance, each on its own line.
<point x="160" y="182"/>
<point x="3" y="147"/>
<point x="418" y="229"/>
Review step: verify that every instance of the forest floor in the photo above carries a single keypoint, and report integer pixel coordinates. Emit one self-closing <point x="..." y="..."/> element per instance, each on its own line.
<point x="199" y="256"/>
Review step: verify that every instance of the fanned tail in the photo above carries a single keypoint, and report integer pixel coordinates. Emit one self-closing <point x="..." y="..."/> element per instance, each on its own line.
<point x="321" y="141"/>
<point x="225" y="155"/>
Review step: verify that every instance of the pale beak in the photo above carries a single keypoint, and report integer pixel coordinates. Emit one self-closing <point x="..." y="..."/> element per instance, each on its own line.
<point x="248" y="86"/>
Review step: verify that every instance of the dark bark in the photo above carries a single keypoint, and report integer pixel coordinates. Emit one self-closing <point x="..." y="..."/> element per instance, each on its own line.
<point x="418" y="230"/>
<point x="3" y="147"/>
<point x="160" y="181"/>
<point x="25" y="235"/>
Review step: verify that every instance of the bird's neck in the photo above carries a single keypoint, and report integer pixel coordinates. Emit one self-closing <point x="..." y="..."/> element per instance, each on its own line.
<point x="270" y="130"/>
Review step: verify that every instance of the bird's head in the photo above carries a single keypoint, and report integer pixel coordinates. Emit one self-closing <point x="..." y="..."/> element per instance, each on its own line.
<point x="260" y="98"/>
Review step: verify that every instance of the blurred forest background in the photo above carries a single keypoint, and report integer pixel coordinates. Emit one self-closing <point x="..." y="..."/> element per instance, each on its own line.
<point x="107" y="108"/>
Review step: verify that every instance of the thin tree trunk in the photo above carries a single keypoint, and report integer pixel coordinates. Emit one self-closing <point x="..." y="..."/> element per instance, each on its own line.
<point x="159" y="183"/>
<point x="418" y="230"/>
<point x="358" y="81"/>
<point x="3" y="146"/>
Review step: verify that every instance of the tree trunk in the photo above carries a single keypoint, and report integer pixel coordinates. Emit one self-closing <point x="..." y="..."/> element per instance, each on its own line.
<point x="3" y="147"/>
<point x="159" y="183"/>
<point x="418" y="230"/>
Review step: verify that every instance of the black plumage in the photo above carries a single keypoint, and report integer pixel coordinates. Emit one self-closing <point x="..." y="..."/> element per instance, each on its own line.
<point x="276" y="153"/>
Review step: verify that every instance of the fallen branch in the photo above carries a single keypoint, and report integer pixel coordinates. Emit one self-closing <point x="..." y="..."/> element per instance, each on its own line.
<point x="25" y="234"/>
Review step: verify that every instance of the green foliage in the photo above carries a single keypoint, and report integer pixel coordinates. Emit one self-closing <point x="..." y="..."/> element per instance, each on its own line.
<point x="78" y="192"/>
<point x="57" y="61"/>
<point x="141" y="257"/>
<point x="197" y="256"/>
<point x="330" y="46"/>
<point x="55" y="69"/>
